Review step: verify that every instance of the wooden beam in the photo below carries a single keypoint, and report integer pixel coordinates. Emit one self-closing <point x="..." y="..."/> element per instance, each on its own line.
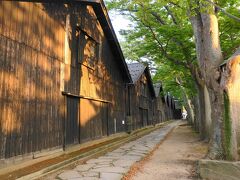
<point x="85" y="97"/>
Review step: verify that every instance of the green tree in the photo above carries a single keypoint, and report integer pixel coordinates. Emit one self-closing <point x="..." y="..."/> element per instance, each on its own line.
<point x="193" y="38"/>
<point x="209" y="38"/>
<point x="160" y="35"/>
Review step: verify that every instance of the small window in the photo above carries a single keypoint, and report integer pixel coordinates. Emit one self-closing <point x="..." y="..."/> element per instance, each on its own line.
<point x="87" y="50"/>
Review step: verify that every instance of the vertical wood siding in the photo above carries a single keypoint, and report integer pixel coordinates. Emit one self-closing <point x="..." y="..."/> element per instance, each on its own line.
<point x="35" y="67"/>
<point x="102" y="84"/>
<point x="31" y="51"/>
<point x="159" y="110"/>
<point x="141" y="106"/>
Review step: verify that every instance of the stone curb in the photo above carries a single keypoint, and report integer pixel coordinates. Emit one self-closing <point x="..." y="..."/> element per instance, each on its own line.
<point x="218" y="170"/>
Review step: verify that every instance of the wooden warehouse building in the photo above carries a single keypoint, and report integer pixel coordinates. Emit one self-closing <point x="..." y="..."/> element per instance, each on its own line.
<point x="174" y="110"/>
<point x="170" y="106"/>
<point x="141" y="96"/>
<point x="62" y="76"/>
<point x="160" y="107"/>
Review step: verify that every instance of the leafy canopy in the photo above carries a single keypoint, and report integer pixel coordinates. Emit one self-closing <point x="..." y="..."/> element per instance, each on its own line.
<point x="163" y="34"/>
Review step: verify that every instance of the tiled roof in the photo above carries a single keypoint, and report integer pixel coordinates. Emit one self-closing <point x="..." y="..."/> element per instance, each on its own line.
<point x="136" y="70"/>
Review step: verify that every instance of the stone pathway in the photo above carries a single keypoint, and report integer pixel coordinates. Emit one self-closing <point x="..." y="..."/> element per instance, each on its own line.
<point x="113" y="165"/>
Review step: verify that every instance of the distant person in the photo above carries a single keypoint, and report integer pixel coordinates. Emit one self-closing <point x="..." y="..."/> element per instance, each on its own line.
<point x="184" y="115"/>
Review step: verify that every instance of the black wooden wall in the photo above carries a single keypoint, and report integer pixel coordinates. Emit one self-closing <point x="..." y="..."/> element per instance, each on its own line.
<point x="141" y="106"/>
<point x="49" y="98"/>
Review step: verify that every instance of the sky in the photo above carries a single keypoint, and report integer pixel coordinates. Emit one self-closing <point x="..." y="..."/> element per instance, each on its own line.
<point x="119" y="22"/>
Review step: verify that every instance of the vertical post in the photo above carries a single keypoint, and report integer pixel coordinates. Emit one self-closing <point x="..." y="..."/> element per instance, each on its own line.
<point x="67" y="58"/>
<point x="64" y="122"/>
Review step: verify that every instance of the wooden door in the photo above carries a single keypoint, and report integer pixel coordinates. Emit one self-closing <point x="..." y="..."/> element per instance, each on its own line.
<point x="72" y="127"/>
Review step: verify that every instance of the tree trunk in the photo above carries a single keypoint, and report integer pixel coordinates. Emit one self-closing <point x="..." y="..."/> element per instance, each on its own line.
<point x="200" y="103"/>
<point x="188" y="103"/>
<point x="205" y="26"/>
<point x="189" y="107"/>
<point x="207" y="118"/>
<point x="201" y="111"/>
<point x="196" y="105"/>
<point x="216" y="150"/>
<point x="231" y="83"/>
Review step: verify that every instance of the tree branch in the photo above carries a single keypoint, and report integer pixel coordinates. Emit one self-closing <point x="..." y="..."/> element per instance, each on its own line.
<point x="158" y="18"/>
<point x="224" y="11"/>
<point x="160" y="45"/>
<point x="154" y="14"/>
<point x="196" y="74"/>
<point x="171" y="14"/>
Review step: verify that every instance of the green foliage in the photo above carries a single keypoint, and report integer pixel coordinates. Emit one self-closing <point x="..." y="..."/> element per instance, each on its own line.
<point x="163" y="34"/>
<point x="229" y="29"/>
<point x="168" y="78"/>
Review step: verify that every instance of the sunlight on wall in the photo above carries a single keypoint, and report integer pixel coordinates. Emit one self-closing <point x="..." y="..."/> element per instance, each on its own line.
<point x="88" y="111"/>
<point x="11" y="123"/>
<point x="31" y="53"/>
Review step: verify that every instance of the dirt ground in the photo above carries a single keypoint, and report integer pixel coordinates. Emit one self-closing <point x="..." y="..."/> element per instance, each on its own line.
<point x="175" y="158"/>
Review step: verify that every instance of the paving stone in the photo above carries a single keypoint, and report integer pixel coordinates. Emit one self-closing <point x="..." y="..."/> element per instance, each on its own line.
<point x="95" y="161"/>
<point x="119" y="151"/>
<point x="139" y="151"/>
<point x="70" y="174"/>
<point x="130" y="157"/>
<point x="84" y="167"/>
<point x="113" y="165"/>
<point x="114" y="154"/>
<point x="85" y="178"/>
<point x="119" y="170"/>
<point x="142" y="148"/>
<point x="135" y="154"/>
<point x="110" y="176"/>
<point x="90" y="174"/>
<point x="112" y="158"/>
<point x="102" y="165"/>
<point x="106" y="163"/>
<point x="124" y="163"/>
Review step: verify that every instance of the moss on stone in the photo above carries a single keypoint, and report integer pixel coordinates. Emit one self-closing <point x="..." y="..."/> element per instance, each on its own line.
<point x="227" y="127"/>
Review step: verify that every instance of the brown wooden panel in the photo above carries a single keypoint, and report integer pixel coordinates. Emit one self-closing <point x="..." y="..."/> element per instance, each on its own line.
<point x="72" y="121"/>
<point x="93" y="119"/>
<point x="30" y="97"/>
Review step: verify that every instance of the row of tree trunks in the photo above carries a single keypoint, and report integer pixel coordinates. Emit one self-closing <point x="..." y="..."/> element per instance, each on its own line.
<point x="206" y="32"/>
